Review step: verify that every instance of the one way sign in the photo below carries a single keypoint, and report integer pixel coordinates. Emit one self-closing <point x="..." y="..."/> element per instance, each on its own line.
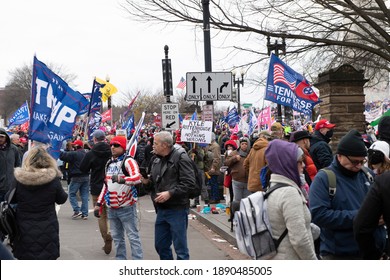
<point x="170" y="116"/>
<point x="209" y="86"/>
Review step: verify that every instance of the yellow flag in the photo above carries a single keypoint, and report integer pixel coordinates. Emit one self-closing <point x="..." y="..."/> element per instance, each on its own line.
<point x="107" y="90"/>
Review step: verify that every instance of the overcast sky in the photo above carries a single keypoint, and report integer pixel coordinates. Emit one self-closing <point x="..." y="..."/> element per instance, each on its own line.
<point x="96" y="38"/>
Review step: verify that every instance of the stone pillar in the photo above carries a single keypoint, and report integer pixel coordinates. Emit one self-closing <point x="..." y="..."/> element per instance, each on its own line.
<point x="342" y="95"/>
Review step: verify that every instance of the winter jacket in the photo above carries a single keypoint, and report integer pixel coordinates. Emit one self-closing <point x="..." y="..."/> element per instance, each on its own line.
<point x="216" y="165"/>
<point x="320" y="151"/>
<point x="310" y="167"/>
<point x="9" y="158"/>
<point x="376" y="204"/>
<point x="236" y="167"/>
<point x="287" y="209"/>
<point x="117" y="195"/>
<point x="74" y="159"/>
<point x="173" y="173"/>
<point x="37" y="193"/>
<point x="95" y="161"/>
<point x="254" y="162"/>
<point x="335" y="214"/>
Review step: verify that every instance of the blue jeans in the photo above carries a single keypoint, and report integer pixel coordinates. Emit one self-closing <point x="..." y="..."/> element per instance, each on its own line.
<point x="82" y="184"/>
<point x="171" y="227"/>
<point x="125" y="219"/>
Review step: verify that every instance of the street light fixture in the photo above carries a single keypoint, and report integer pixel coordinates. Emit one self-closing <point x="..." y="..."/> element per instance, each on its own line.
<point x="238" y="82"/>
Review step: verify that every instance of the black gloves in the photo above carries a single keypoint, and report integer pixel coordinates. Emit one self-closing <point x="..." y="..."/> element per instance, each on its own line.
<point x="117" y="179"/>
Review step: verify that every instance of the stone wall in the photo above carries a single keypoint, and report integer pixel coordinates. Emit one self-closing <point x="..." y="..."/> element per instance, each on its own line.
<point x="342" y="95"/>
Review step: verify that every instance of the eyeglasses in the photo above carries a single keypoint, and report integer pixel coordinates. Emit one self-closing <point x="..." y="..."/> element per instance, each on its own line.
<point x="115" y="145"/>
<point x="356" y="162"/>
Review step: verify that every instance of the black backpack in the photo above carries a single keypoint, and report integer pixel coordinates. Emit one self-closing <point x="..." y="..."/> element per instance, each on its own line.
<point x="8" y="224"/>
<point x="139" y="187"/>
<point x="196" y="190"/>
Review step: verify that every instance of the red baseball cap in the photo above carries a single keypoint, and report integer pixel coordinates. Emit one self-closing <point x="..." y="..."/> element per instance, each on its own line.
<point x="78" y="143"/>
<point x="324" y="124"/>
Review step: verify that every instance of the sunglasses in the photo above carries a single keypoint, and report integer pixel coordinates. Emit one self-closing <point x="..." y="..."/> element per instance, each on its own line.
<point x="356" y="162"/>
<point x="115" y="145"/>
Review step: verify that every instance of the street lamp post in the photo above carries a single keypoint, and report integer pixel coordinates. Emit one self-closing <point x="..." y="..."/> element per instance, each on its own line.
<point x="277" y="47"/>
<point x="238" y="82"/>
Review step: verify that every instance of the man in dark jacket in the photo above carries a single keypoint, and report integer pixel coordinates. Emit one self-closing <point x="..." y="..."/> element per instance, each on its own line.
<point x="9" y="159"/>
<point x="320" y="150"/>
<point x="95" y="161"/>
<point x="171" y="177"/>
<point x="79" y="180"/>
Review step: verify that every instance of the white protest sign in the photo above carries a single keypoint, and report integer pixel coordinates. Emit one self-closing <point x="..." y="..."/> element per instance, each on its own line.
<point x="196" y="131"/>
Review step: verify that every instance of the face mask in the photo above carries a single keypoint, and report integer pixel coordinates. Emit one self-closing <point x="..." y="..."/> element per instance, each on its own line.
<point x="329" y="134"/>
<point x="302" y="178"/>
<point x="229" y="152"/>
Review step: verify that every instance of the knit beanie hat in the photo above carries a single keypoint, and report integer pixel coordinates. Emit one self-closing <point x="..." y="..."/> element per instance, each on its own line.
<point x="231" y="143"/>
<point x="352" y="144"/>
<point x="384" y="128"/>
<point x="121" y="140"/>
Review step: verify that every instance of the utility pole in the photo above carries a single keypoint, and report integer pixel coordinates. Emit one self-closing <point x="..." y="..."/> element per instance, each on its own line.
<point x="277" y="47"/>
<point x="207" y="40"/>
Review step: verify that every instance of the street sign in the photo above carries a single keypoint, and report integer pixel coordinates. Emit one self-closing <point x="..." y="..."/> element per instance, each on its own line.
<point x="170" y="116"/>
<point x="247" y="105"/>
<point x="209" y="86"/>
<point x="208" y="113"/>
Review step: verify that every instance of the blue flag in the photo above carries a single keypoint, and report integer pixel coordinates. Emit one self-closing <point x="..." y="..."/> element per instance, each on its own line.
<point x="232" y="117"/>
<point x="54" y="108"/>
<point x="129" y="125"/>
<point x="194" y="116"/>
<point x="289" y="88"/>
<point x="20" y="116"/>
<point x="96" y="97"/>
<point x="252" y="122"/>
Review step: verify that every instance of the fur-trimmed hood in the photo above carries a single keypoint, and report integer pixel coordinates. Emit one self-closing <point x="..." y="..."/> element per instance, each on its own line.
<point x="36" y="176"/>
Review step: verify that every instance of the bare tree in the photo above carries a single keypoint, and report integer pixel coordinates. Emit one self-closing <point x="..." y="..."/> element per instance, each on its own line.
<point x="320" y="34"/>
<point x="18" y="88"/>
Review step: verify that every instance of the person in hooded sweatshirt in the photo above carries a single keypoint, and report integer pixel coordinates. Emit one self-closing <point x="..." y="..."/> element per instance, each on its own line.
<point x="38" y="190"/>
<point x="287" y="205"/>
<point x="95" y="161"/>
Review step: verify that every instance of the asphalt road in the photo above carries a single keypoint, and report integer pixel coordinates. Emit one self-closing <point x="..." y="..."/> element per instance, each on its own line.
<point x="81" y="240"/>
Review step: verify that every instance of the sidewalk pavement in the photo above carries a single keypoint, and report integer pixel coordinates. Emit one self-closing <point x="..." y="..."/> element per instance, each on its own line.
<point x="218" y="223"/>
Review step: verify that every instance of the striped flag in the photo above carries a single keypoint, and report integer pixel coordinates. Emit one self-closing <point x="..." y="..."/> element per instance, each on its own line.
<point x="182" y="84"/>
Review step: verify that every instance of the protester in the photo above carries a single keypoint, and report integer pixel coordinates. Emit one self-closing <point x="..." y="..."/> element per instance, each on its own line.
<point x="255" y="161"/>
<point x="9" y="159"/>
<point x="302" y="139"/>
<point x="287" y="205"/>
<point x="235" y="162"/>
<point x="334" y="210"/>
<point x="376" y="206"/>
<point x="197" y="154"/>
<point x="120" y="196"/>
<point x="38" y="190"/>
<point x="79" y="180"/>
<point x="95" y="161"/>
<point x="320" y="150"/>
<point x="277" y="131"/>
<point x="171" y="177"/>
<point x="214" y="171"/>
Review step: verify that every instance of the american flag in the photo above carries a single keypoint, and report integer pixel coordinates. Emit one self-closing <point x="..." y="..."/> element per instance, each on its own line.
<point x="182" y="83"/>
<point x="282" y="76"/>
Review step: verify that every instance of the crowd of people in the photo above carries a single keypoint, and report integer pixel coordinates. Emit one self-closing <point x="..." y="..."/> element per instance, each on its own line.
<point x="336" y="205"/>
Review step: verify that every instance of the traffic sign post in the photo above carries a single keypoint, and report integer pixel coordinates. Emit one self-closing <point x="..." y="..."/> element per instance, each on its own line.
<point x="170" y="116"/>
<point x="209" y="86"/>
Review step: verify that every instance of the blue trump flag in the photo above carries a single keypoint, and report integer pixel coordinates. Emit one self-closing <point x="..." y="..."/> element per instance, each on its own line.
<point x="54" y="108"/>
<point x="20" y="116"/>
<point x="232" y="117"/>
<point x="289" y="88"/>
